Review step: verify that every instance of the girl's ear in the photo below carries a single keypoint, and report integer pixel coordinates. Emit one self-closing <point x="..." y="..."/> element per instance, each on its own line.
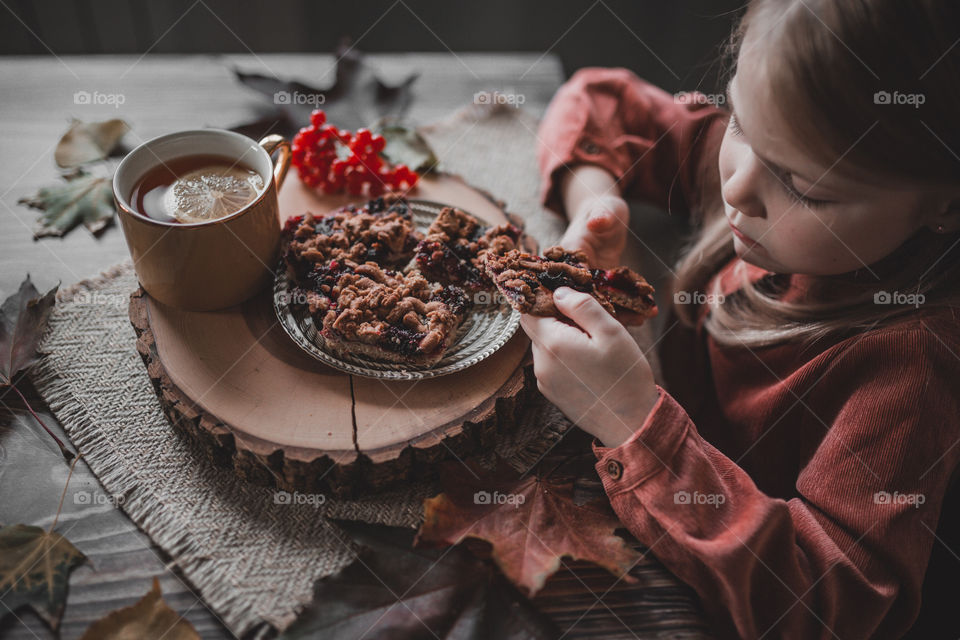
<point x="947" y="220"/>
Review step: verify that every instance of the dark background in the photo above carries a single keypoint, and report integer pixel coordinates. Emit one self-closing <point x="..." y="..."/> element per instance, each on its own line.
<point x="673" y="44"/>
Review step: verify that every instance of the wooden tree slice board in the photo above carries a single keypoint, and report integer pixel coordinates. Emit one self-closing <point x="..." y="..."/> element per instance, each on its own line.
<point x="235" y="381"/>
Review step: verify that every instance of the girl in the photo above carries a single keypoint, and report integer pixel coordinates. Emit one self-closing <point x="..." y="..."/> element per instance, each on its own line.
<point x="794" y="464"/>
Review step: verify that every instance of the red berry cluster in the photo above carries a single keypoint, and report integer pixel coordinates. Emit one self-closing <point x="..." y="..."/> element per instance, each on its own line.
<point x="336" y="160"/>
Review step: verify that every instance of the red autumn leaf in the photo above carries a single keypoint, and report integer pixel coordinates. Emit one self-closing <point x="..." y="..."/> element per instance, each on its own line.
<point x="531" y="522"/>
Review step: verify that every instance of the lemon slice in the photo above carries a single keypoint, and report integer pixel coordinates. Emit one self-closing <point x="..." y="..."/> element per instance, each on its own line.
<point x="211" y="193"/>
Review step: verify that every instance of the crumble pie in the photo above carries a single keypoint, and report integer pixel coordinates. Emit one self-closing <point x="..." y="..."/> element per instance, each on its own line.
<point x="380" y="231"/>
<point x="528" y="282"/>
<point x="383" y="313"/>
<point x="452" y="250"/>
<point x="346" y="269"/>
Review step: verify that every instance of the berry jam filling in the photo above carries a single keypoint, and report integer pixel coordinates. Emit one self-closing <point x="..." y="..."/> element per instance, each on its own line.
<point x="553" y="281"/>
<point x="291" y="224"/>
<point x="515" y="295"/>
<point x="616" y="279"/>
<point x="454" y="297"/>
<point x="375" y="251"/>
<point x="301" y="267"/>
<point x="475" y="282"/>
<point x="326" y="274"/>
<point x="401" y="339"/>
<point x="531" y="282"/>
<point x="324" y="226"/>
<point x="468" y="270"/>
<point x="477" y="233"/>
<point x="568" y="258"/>
<point x="462" y="252"/>
<point x="380" y="206"/>
<point x="448" y="265"/>
<point x="512" y="231"/>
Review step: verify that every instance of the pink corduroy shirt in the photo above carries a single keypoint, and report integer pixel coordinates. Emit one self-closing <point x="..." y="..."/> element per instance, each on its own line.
<point x="798" y="491"/>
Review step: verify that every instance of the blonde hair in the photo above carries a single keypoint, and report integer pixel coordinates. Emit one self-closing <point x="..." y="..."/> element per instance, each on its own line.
<point x="822" y="55"/>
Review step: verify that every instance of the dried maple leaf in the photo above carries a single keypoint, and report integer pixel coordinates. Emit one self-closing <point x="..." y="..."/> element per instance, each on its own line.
<point x="357" y="97"/>
<point x="89" y="142"/>
<point x="150" y="617"/>
<point x="35" y="567"/>
<point x="531" y="523"/>
<point x="393" y="591"/>
<point x="82" y="199"/>
<point x="23" y="319"/>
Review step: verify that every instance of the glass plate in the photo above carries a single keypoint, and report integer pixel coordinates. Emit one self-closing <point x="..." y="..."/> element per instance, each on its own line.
<point x="485" y="329"/>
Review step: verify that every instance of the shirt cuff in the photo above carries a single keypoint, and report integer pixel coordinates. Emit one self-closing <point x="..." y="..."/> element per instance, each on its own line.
<point x="566" y="139"/>
<point x="648" y="451"/>
<point x="582" y="149"/>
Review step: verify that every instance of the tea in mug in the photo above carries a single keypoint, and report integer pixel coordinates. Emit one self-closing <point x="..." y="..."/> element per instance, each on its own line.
<point x="196" y="188"/>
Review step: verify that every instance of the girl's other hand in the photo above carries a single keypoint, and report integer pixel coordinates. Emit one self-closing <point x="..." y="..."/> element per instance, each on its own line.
<point x="593" y="371"/>
<point x="599" y="227"/>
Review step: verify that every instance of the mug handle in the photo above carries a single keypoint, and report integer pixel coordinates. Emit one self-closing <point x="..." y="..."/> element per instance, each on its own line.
<point x="271" y="144"/>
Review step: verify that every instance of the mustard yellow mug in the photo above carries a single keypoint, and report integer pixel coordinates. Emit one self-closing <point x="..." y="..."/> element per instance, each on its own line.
<point x="211" y="264"/>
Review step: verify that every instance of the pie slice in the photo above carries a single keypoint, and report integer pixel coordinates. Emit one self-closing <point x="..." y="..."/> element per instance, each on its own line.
<point x="380" y="231"/>
<point x="382" y="313"/>
<point x="528" y="282"/>
<point x="451" y="252"/>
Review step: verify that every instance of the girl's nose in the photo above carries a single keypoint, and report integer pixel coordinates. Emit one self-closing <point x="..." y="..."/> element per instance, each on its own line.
<point x="741" y="190"/>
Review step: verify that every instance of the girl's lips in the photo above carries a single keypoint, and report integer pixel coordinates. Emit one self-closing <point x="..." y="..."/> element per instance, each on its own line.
<point x="747" y="240"/>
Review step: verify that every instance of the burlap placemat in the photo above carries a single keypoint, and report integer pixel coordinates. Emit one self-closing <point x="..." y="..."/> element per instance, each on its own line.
<point x="250" y="559"/>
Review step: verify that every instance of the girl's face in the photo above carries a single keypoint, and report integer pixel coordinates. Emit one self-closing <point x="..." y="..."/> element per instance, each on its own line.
<point x="790" y="214"/>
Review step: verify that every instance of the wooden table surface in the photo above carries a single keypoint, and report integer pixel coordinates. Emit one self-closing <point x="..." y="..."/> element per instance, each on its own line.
<point x="165" y="93"/>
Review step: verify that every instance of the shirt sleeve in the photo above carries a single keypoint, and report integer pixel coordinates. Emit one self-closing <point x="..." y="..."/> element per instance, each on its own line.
<point x="660" y="147"/>
<point x="844" y="558"/>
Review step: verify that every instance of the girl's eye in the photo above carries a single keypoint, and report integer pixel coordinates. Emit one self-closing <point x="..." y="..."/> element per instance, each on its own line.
<point x="813" y="203"/>
<point x="735" y="126"/>
<point x="785" y="179"/>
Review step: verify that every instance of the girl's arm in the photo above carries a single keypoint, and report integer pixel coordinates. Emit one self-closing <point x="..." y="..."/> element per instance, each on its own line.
<point x="606" y="131"/>
<point x="599" y="218"/>
<point x="844" y="558"/>
<point x="583" y="185"/>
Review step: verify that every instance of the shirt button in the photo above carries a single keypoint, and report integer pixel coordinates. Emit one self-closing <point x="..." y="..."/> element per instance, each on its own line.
<point x="615" y="469"/>
<point x="589" y="147"/>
